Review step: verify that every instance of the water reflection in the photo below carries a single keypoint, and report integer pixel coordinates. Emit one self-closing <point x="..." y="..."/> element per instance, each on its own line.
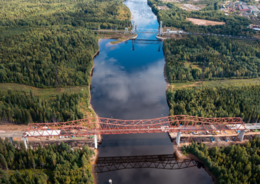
<point x="191" y="175"/>
<point x="135" y="144"/>
<point x="129" y="84"/>
<point x="143" y="16"/>
<point x="168" y="162"/>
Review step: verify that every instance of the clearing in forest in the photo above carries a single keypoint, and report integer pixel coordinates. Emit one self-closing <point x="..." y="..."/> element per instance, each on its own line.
<point x="203" y="22"/>
<point x="216" y="83"/>
<point x="191" y="7"/>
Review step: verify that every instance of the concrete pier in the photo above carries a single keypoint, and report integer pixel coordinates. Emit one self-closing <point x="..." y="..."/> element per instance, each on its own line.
<point x="11" y="140"/>
<point x="241" y="135"/>
<point x="178" y="138"/>
<point x="95" y="141"/>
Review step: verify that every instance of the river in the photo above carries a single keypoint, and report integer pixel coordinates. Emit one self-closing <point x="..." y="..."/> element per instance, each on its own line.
<point x="130" y="84"/>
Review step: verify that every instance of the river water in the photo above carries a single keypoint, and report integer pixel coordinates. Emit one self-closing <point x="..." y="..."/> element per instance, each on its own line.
<point x="130" y="84"/>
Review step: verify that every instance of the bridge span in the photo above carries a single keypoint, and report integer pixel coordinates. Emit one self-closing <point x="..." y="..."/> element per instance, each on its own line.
<point x="104" y="126"/>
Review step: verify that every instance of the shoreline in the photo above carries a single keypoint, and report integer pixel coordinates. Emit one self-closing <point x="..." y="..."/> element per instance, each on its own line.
<point x="99" y="137"/>
<point x="94" y="174"/>
<point x="189" y="156"/>
<point x="121" y="41"/>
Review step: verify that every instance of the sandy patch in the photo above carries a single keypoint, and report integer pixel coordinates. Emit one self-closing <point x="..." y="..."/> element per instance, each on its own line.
<point x="162" y="7"/>
<point x="12" y="127"/>
<point x="191" y="7"/>
<point x="204" y="22"/>
<point x="179" y="1"/>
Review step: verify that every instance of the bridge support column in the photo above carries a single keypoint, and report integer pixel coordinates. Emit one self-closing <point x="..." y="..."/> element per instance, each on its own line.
<point x="11" y="140"/>
<point x="160" y="29"/>
<point x="241" y="135"/>
<point x="133" y="29"/>
<point x="25" y="140"/>
<point x="178" y="138"/>
<point x="95" y="141"/>
<point x="126" y="31"/>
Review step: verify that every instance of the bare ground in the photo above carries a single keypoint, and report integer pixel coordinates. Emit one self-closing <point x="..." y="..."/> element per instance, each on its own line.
<point x="12" y="127"/>
<point x="204" y="22"/>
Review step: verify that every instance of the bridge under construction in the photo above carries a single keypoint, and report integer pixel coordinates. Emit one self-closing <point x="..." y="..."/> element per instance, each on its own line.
<point x="106" y="126"/>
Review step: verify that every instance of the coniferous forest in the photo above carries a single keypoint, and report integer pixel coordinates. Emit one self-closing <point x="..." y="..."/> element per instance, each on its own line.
<point x="223" y="101"/>
<point x="27" y="108"/>
<point x="221" y="58"/>
<point x="236" y="164"/>
<point x="52" y="164"/>
<point x="50" y="44"/>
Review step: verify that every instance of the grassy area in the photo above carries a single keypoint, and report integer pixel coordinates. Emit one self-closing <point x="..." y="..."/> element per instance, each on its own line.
<point x="228" y="82"/>
<point x="122" y="39"/>
<point x="119" y="37"/>
<point x="192" y="65"/>
<point x="43" y="92"/>
<point x="50" y="93"/>
<point x="48" y="172"/>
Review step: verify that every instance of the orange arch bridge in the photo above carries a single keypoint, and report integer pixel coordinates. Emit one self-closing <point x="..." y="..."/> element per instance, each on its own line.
<point x="103" y="126"/>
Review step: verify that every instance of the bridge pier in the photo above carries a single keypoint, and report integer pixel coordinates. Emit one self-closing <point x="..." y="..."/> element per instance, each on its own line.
<point x="95" y="141"/>
<point x="126" y="31"/>
<point x="178" y="138"/>
<point x="11" y="140"/>
<point x="241" y="135"/>
<point x="25" y="140"/>
<point x="160" y="29"/>
<point x="133" y="29"/>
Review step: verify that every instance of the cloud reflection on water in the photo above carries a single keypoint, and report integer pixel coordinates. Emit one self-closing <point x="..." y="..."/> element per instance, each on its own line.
<point x="128" y="95"/>
<point x="130" y="84"/>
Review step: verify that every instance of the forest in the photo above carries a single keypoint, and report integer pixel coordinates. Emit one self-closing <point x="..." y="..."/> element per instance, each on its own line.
<point x="49" y="57"/>
<point x="18" y="107"/>
<point x="51" y="164"/>
<point x="215" y="57"/>
<point x="91" y="14"/>
<point x="49" y="43"/>
<point x="223" y="101"/>
<point x="176" y="17"/>
<point x="236" y="164"/>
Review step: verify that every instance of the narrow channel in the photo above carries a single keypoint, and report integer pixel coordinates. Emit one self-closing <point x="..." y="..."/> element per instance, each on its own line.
<point x="130" y="84"/>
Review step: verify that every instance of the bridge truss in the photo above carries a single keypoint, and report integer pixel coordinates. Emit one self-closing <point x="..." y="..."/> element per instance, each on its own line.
<point x="103" y="126"/>
<point x="144" y="30"/>
<point x="145" y="42"/>
<point x="169" y="162"/>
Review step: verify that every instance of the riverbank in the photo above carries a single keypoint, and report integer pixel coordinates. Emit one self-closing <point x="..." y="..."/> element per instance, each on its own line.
<point x="120" y="37"/>
<point x="93" y="161"/>
<point x="180" y="156"/>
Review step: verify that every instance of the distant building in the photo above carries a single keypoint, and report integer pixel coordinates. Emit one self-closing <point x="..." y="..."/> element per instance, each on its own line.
<point x="255" y="27"/>
<point x="253" y="9"/>
<point x="244" y="8"/>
